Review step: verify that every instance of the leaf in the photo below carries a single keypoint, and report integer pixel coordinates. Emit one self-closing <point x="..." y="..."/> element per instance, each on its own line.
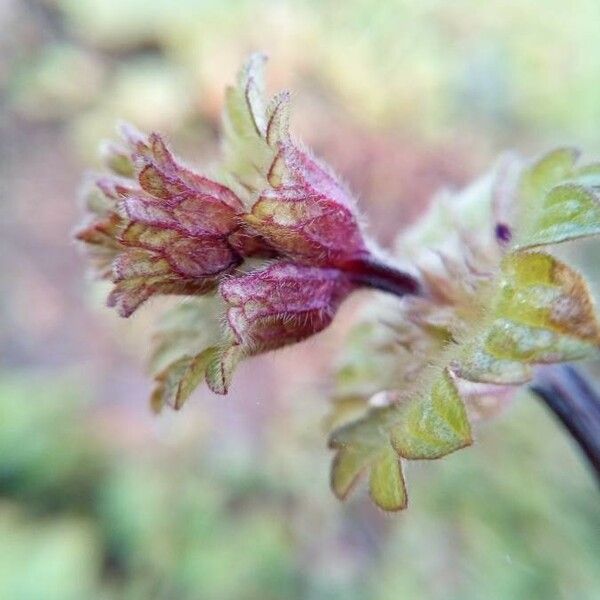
<point x="546" y="172"/>
<point x="539" y="291"/>
<point x="127" y="295"/>
<point x="185" y="330"/>
<point x="364" y="445"/>
<point x="480" y="366"/>
<point x="278" y="119"/>
<point x="433" y="425"/>
<point x="386" y="483"/>
<point x="220" y="368"/>
<point x="348" y="465"/>
<point x="176" y="383"/>
<point x="188" y="339"/>
<point x="430" y="426"/>
<point x="307" y="226"/>
<point x="282" y="304"/>
<point x="543" y="313"/>
<point x="246" y="153"/>
<point x="118" y="159"/>
<point x="556" y="201"/>
<point x="567" y="212"/>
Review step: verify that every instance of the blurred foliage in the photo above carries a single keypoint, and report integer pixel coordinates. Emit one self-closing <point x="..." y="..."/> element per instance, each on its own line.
<point x="80" y="518"/>
<point x="509" y="67"/>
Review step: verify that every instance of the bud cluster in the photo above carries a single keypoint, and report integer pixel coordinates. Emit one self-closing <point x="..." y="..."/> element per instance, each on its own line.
<point x="278" y="237"/>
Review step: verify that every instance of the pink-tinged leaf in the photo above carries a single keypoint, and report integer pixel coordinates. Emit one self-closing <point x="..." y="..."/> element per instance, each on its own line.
<point x="114" y="188"/>
<point x="163" y="176"/>
<point x="306" y="226"/>
<point x="145" y="210"/>
<point x="282" y="304"/>
<point x="167" y="233"/>
<point x="140" y="235"/>
<point x="163" y="261"/>
<point x="307" y="172"/>
<point x="159" y="184"/>
<point x="100" y="236"/>
<point x="195" y="215"/>
<point x="200" y="257"/>
<point x="128" y="294"/>
<point x="248" y="244"/>
<point x="166" y="163"/>
<point x="278" y="119"/>
<point x="102" y="232"/>
<point x="118" y="159"/>
<point x="132" y="264"/>
<point x="188" y="257"/>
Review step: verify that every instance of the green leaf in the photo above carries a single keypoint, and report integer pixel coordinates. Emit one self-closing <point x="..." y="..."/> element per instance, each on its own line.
<point x="433" y="425"/>
<point x="519" y="308"/>
<point x="348" y="465"/>
<point x="556" y="201"/>
<point x="364" y="445"/>
<point x="420" y="427"/>
<point x="186" y="341"/>
<point x="175" y="384"/>
<point x="480" y="366"/>
<point x="278" y="119"/>
<point x="568" y="211"/>
<point x="540" y="292"/>
<point x="546" y="172"/>
<point x="543" y="313"/>
<point x="247" y="156"/>
<point x="185" y="330"/>
<point x="220" y="368"/>
<point x="386" y="482"/>
<point x="193" y="376"/>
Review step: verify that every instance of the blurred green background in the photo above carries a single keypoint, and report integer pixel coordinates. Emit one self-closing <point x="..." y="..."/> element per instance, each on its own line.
<point x="229" y="498"/>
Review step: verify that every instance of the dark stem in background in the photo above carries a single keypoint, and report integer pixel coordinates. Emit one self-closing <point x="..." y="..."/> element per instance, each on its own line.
<point x="564" y="390"/>
<point x="576" y="404"/>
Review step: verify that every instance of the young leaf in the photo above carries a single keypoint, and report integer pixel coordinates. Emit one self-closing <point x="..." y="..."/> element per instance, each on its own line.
<point x="428" y="426"/>
<point x="247" y="154"/>
<point x="282" y="304"/>
<point x="180" y="379"/>
<point x="543" y="313"/>
<point x="433" y="425"/>
<point x="364" y="445"/>
<point x="220" y="368"/>
<point x="386" y="482"/>
<point x="556" y="201"/>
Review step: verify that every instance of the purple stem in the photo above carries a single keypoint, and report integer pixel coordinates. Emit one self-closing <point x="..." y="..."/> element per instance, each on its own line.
<point x="369" y="272"/>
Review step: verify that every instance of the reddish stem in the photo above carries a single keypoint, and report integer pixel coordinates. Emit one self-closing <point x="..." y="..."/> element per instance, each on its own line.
<point x="369" y="272"/>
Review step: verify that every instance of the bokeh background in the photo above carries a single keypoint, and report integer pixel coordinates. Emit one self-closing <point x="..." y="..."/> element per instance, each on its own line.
<point x="229" y="499"/>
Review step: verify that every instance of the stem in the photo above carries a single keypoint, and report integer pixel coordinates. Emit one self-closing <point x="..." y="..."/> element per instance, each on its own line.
<point x="576" y="404"/>
<point x="369" y="272"/>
